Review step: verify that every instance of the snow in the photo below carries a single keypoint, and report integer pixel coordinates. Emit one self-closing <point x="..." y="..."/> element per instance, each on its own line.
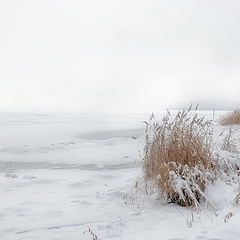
<point x="63" y="173"/>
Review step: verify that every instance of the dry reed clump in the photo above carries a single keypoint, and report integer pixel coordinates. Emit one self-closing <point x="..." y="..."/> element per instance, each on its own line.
<point x="231" y="118"/>
<point x="178" y="160"/>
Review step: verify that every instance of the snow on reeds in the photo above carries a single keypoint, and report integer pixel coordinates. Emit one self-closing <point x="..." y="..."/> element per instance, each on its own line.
<point x="178" y="159"/>
<point x="229" y="143"/>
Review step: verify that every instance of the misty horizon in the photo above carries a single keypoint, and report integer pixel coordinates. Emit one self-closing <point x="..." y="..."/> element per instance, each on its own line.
<point x="118" y="56"/>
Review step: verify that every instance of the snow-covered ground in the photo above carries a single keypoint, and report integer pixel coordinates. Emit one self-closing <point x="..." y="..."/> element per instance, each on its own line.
<point x="61" y="174"/>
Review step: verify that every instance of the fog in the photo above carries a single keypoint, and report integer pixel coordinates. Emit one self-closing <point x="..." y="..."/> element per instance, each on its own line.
<point x="128" y="55"/>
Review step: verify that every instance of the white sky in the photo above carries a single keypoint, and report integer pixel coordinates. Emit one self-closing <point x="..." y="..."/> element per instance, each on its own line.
<point x="117" y="55"/>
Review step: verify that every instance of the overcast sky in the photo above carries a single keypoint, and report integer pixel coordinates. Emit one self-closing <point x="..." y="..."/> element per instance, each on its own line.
<point x="117" y="55"/>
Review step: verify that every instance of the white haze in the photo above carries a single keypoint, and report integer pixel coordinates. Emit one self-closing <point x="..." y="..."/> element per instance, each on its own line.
<point x="128" y="55"/>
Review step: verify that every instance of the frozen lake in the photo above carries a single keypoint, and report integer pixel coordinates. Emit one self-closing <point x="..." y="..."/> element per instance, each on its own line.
<point x="63" y="173"/>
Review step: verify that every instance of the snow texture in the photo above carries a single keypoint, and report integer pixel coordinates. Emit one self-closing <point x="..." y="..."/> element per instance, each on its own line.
<point x="63" y="174"/>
